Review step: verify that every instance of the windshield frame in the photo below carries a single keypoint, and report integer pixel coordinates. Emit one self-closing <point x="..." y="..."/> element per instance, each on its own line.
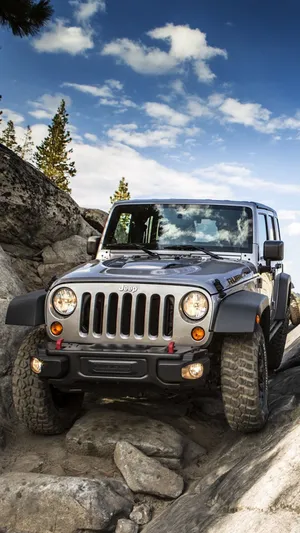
<point x="168" y="248"/>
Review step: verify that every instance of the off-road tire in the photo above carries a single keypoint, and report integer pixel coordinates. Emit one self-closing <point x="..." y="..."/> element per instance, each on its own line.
<point x="244" y="381"/>
<point x="294" y="311"/>
<point x="36" y="402"/>
<point x="276" y="346"/>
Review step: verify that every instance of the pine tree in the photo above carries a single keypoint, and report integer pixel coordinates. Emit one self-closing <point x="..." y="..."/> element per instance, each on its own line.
<point x="25" y="17"/>
<point x="121" y="193"/>
<point x="8" y="138"/>
<point x="0" y="110"/>
<point x="26" y="150"/>
<point x="52" y="156"/>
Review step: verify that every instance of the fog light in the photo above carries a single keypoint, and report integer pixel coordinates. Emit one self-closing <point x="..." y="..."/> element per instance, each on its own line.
<point x="36" y="365"/>
<point x="193" y="371"/>
<point x="198" y="334"/>
<point x="56" y="328"/>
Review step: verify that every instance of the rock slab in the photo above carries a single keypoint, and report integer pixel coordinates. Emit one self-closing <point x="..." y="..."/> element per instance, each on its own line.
<point x="145" y="474"/>
<point x="98" y="432"/>
<point x="35" y="503"/>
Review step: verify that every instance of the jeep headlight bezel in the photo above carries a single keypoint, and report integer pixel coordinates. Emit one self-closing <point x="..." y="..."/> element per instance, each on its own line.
<point x="195" y="305"/>
<point x="64" y="301"/>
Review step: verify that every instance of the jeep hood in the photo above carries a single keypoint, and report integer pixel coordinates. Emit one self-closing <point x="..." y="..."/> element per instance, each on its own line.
<point x="201" y="272"/>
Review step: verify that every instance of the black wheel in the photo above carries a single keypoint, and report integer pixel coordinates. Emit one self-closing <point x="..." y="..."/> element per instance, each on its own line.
<point x="244" y="381"/>
<point x="294" y="311"/>
<point x="43" y="409"/>
<point x="277" y="344"/>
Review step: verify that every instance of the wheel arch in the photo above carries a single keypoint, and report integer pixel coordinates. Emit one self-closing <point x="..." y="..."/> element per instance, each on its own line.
<point x="237" y="313"/>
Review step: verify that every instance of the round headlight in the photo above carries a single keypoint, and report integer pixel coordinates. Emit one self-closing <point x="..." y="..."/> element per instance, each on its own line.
<point x="64" y="301"/>
<point x="195" y="305"/>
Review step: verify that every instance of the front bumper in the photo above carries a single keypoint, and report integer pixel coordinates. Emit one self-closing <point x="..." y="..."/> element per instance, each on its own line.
<point x="76" y="364"/>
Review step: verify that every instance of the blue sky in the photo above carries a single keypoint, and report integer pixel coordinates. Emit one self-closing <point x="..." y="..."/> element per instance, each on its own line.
<point x="192" y="99"/>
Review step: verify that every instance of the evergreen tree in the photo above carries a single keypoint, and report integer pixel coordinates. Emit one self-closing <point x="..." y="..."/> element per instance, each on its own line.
<point x="8" y="137"/>
<point x="26" y="150"/>
<point x="121" y="193"/>
<point x="52" y="156"/>
<point x="0" y="110"/>
<point x="25" y="17"/>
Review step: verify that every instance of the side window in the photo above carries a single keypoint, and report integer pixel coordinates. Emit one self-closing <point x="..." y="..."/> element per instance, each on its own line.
<point x="271" y="225"/>
<point x="262" y="233"/>
<point x="278" y="234"/>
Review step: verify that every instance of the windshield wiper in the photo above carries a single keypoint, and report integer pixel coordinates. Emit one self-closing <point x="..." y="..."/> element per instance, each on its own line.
<point x="192" y="247"/>
<point x="137" y="246"/>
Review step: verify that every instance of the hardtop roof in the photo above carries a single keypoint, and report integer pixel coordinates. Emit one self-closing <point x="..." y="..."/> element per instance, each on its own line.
<point x="252" y="204"/>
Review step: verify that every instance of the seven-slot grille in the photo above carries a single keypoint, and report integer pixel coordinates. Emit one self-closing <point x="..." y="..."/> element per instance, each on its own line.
<point x="136" y="316"/>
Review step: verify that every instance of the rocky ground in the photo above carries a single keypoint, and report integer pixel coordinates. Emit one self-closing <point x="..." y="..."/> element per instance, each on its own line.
<point x="169" y="465"/>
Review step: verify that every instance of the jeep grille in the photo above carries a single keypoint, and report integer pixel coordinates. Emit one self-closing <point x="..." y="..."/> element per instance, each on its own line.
<point x="127" y="315"/>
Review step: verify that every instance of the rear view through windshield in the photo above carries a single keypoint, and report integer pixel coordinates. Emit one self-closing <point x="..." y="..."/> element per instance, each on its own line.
<point x="161" y="226"/>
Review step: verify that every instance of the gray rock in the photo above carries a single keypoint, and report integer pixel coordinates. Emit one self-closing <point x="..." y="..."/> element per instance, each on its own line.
<point x="11" y="336"/>
<point x="95" y="217"/>
<point x="30" y="462"/>
<point x="188" y="515"/>
<point x="141" y="514"/>
<point x="27" y="270"/>
<point x="282" y="409"/>
<point x="145" y="474"/>
<point x="37" y="212"/>
<point x="192" y="452"/>
<point x="97" y="433"/>
<point x="71" y="250"/>
<point x="126" y="526"/>
<point x="285" y="383"/>
<point x="38" y="503"/>
<point x="46" y="272"/>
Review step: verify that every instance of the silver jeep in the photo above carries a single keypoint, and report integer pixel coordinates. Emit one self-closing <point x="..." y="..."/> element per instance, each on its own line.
<point x="179" y="294"/>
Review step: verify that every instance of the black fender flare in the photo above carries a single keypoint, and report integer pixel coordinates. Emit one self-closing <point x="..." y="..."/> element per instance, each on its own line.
<point x="282" y="290"/>
<point x="237" y="312"/>
<point x="27" y="309"/>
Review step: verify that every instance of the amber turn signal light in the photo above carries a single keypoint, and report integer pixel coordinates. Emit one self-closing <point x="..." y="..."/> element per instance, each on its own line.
<point x="56" y="328"/>
<point x="198" y="334"/>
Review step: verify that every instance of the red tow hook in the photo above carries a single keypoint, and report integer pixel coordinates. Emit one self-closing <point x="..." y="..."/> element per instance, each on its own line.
<point x="171" y="347"/>
<point x="58" y="344"/>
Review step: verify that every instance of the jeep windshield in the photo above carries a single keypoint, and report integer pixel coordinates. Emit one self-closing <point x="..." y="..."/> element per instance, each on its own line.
<point x="220" y="228"/>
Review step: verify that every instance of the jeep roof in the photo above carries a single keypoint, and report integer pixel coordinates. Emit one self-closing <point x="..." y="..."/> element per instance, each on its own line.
<point x="194" y="201"/>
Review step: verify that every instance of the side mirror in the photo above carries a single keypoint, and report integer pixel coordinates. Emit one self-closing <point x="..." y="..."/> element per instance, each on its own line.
<point x="273" y="251"/>
<point x="93" y="245"/>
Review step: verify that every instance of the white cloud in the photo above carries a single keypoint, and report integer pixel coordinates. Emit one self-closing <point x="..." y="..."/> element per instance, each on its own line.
<point x="146" y="177"/>
<point x="256" y="116"/>
<point x="294" y="229"/>
<point x="288" y="214"/>
<point x="84" y="11"/>
<point x="186" y="44"/>
<point x="197" y="107"/>
<point x="164" y="136"/>
<point x="62" y="38"/>
<point x="47" y="105"/>
<point x="8" y="114"/>
<point x="109" y="94"/>
<point x="39" y="132"/>
<point x="91" y="137"/>
<point x="239" y="176"/>
<point x="164" y="112"/>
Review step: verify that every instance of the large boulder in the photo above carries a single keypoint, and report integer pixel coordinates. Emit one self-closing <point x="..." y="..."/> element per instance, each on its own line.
<point x="38" y="503"/>
<point x="10" y="336"/>
<point x="95" y="217"/>
<point x="98" y="432"/>
<point x="37" y="212"/>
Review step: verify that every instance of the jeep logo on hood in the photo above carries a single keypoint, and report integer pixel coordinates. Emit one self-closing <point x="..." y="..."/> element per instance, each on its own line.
<point x="128" y="288"/>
